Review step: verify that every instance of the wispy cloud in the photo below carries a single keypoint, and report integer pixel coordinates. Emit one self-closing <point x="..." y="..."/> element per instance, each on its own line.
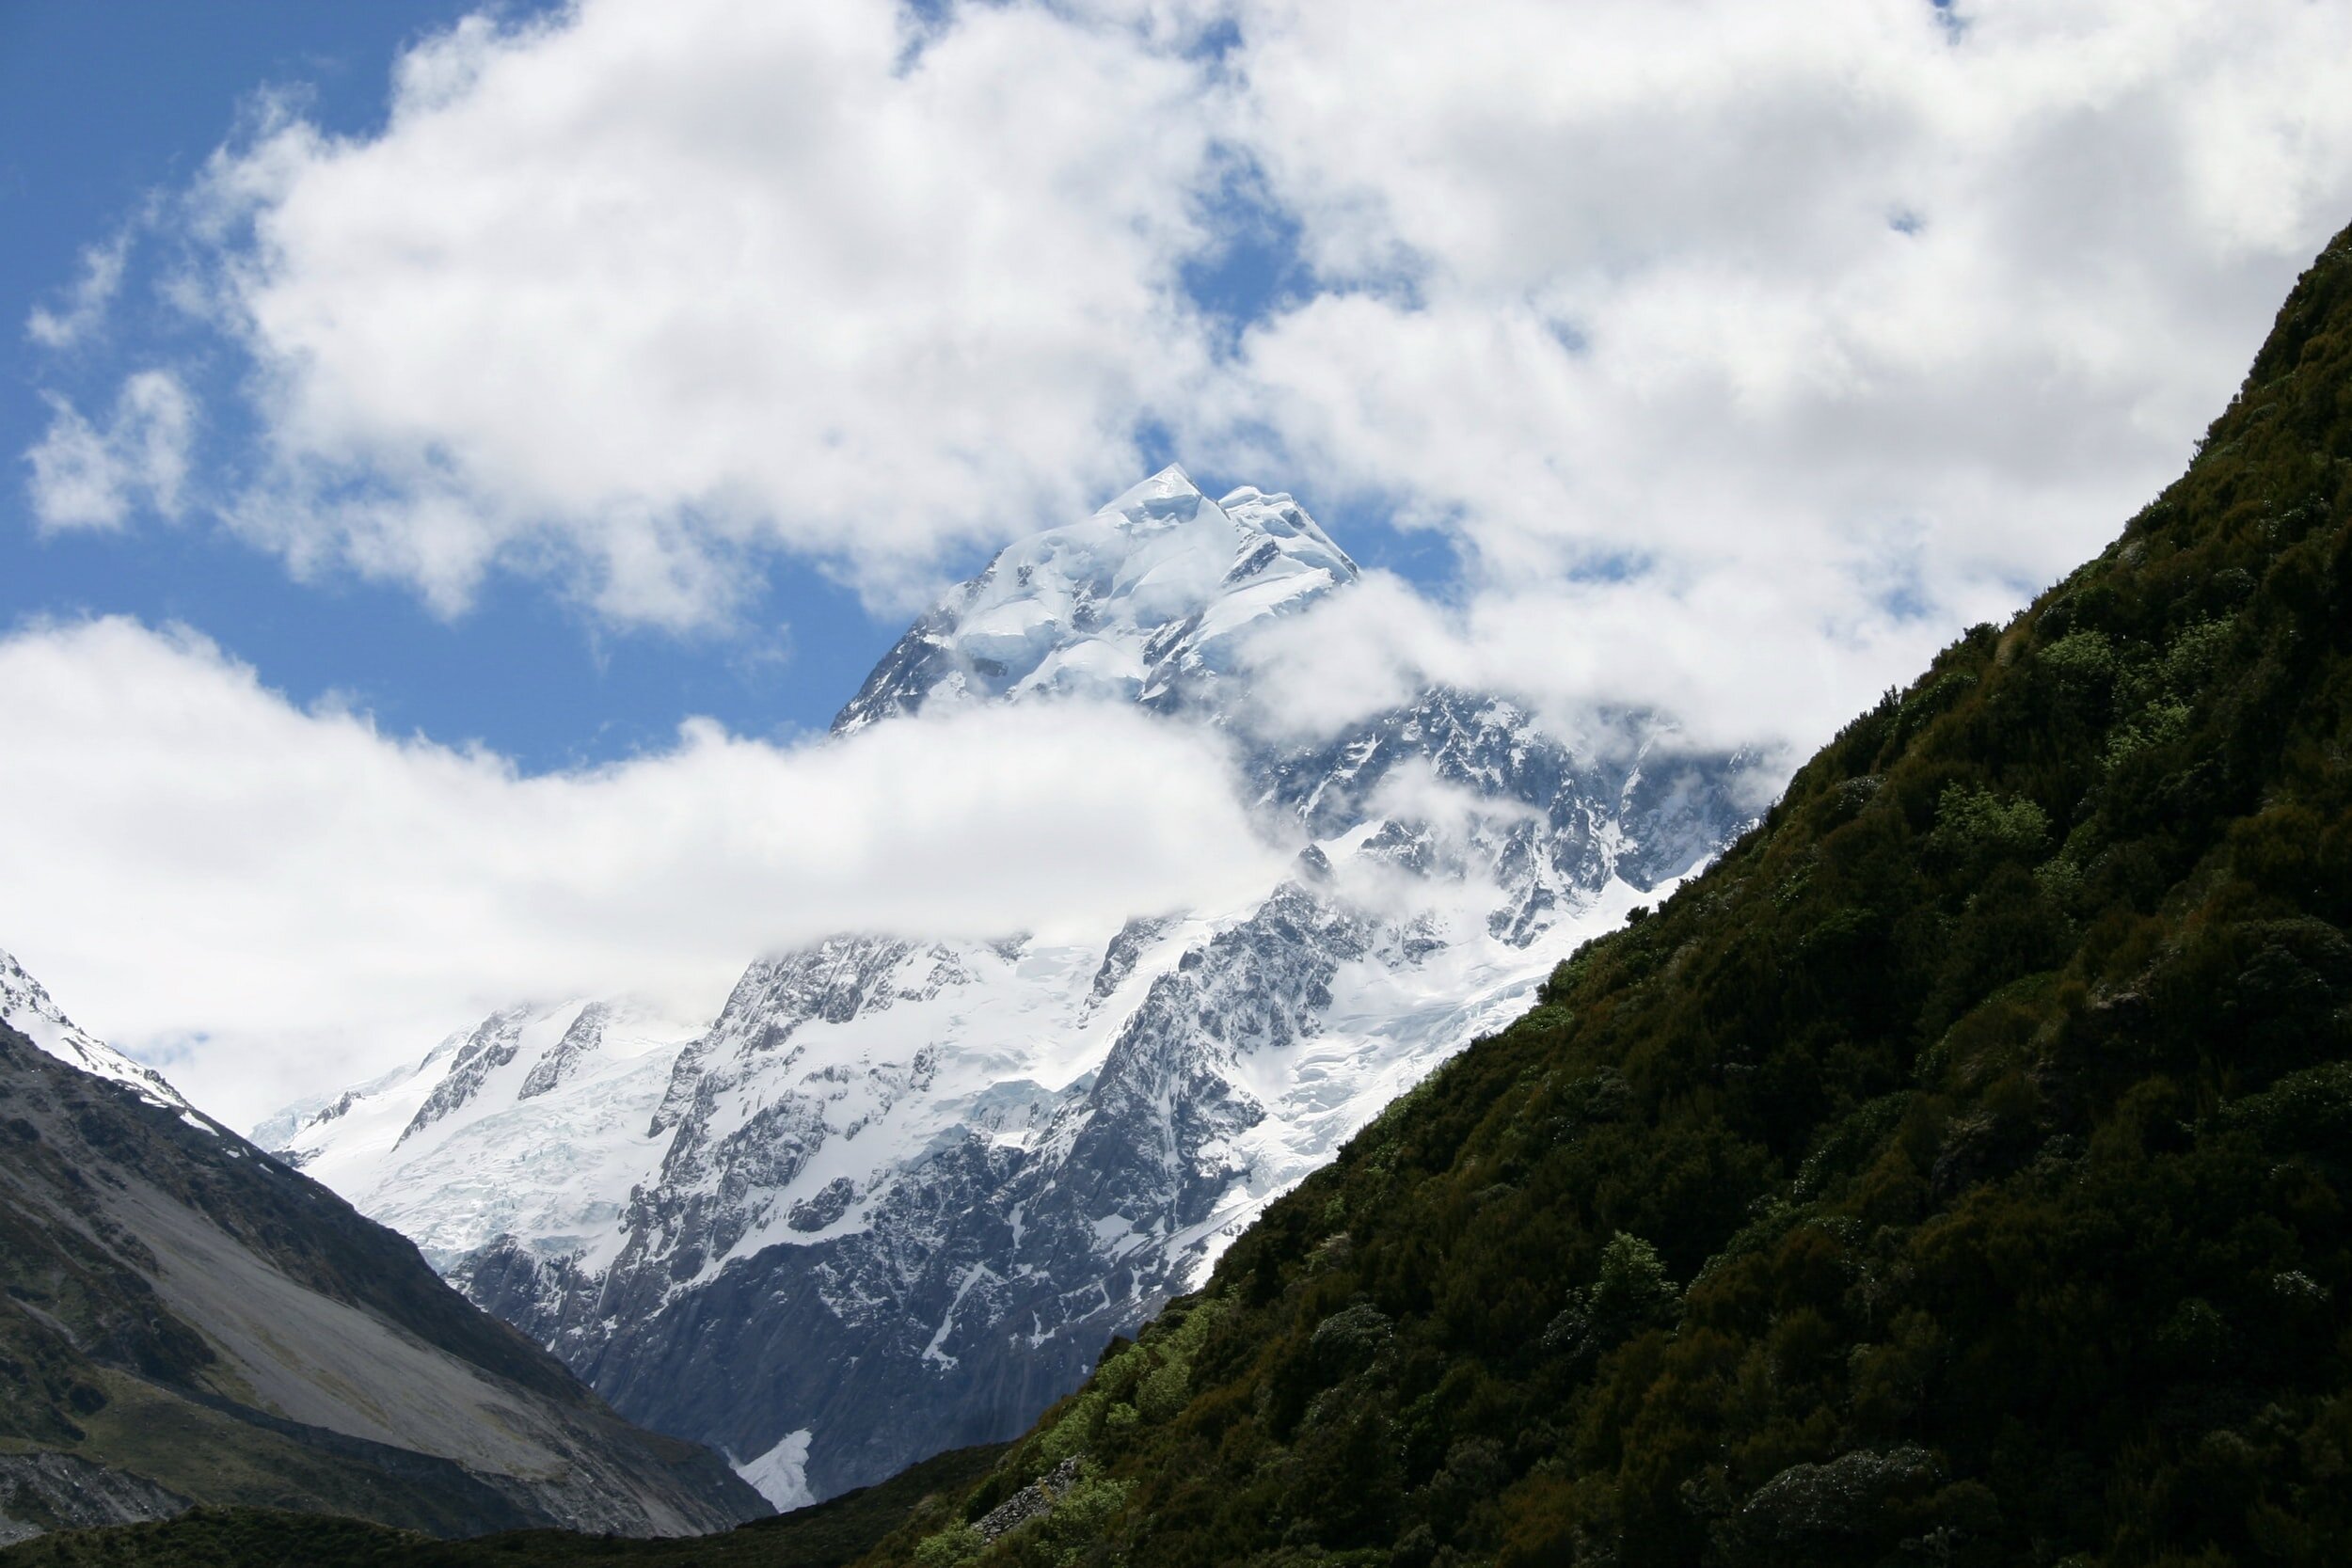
<point x="85" y="476"/>
<point x="86" y="302"/>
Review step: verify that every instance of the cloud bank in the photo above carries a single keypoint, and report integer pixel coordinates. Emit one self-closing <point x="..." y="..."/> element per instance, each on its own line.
<point x="269" y="900"/>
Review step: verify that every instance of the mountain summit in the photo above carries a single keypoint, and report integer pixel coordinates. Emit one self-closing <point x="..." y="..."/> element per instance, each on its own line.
<point x="1147" y="600"/>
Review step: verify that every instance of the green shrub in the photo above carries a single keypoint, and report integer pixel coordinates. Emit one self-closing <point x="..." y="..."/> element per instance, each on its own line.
<point x="1975" y="827"/>
<point x="956" y="1544"/>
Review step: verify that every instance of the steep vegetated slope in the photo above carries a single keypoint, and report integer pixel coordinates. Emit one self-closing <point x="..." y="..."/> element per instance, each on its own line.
<point x="185" y="1319"/>
<point x="1957" y="1172"/>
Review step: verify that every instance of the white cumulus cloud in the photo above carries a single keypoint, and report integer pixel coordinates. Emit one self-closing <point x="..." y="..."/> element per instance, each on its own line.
<point x="1748" y="352"/>
<point x="273" y="899"/>
<point x="1799" y="335"/>
<point x="630" y="295"/>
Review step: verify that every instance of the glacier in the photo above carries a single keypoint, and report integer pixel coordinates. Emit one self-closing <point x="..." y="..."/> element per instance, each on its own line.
<point x="902" y="1191"/>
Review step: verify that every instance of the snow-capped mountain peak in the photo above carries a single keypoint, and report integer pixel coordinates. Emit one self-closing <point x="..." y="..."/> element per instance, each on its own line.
<point x="900" y="1191"/>
<point x="1146" y="601"/>
<point x="25" y="1007"/>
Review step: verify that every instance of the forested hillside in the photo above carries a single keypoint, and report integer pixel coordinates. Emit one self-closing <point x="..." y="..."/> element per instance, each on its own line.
<point x="1956" y="1173"/>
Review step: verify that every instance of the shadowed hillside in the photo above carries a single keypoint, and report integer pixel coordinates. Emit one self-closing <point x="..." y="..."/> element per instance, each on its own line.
<point x="826" y="1536"/>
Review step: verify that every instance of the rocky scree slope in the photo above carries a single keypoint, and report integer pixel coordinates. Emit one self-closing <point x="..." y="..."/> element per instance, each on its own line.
<point x="182" y="1319"/>
<point x="898" y="1193"/>
<point x="1959" y="1171"/>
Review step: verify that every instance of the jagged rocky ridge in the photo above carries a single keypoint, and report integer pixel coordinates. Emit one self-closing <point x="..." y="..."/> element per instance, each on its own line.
<point x="184" y="1320"/>
<point x="897" y="1196"/>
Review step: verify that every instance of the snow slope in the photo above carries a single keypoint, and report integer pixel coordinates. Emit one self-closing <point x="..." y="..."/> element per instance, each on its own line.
<point x="26" y="1007"/>
<point x="1147" y="600"/>
<point x="532" y="1124"/>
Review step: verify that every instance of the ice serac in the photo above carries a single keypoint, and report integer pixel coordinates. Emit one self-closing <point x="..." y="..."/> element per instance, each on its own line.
<point x="899" y="1193"/>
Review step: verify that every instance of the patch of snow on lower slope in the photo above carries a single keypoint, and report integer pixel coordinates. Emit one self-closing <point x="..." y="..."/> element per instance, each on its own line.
<point x="781" y="1474"/>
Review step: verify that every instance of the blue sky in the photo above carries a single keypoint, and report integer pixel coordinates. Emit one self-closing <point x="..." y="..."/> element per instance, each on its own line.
<point x="105" y="106"/>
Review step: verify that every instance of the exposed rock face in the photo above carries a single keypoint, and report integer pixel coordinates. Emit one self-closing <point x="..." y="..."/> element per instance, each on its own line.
<point x="490" y="1047"/>
<point x="40" y="1492"/>
<point x="184" y="1319"/>
<point x="899" y="1193"/>
<point x="1032" y="1501"/>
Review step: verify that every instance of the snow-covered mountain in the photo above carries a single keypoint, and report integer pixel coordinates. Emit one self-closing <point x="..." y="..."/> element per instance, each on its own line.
<point x="900" y="1191"/>
<point x="1149" y="600"/>
<point x="535" y="1123"/>
<point x="26" y="1007"/>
